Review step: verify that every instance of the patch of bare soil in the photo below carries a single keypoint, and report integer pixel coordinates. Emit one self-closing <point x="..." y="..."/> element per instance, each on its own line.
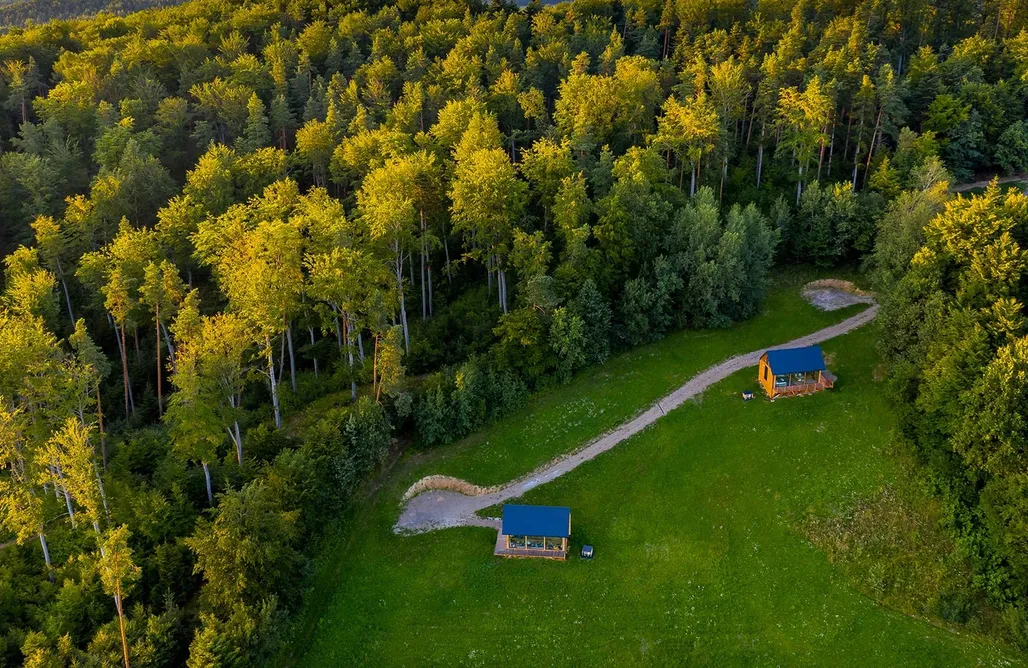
<point x="832" y="294"/>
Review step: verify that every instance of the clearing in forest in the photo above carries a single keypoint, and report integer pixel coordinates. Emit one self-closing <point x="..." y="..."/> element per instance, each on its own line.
<point x="697" y="523"/>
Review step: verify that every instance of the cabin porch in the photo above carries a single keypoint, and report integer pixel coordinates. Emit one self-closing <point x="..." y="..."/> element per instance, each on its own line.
<point x="795" y="384"/>
<point x="531" y="546"/>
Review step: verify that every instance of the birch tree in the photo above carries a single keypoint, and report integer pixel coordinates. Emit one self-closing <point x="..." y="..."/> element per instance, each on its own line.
<point x="488" y="201"/>
<point x="391" y="217"/>
<point x="690" y="130"/>
<point x="117" y="575"/>
<point x="162" y="291"/>
<point x="257" y="256"/>
<point x="21" y="506"/>
<point x="803" y="119"/>
<point x="116" y="272"/>
<point x="93" y="370"/>
<point x="53" y="251"/>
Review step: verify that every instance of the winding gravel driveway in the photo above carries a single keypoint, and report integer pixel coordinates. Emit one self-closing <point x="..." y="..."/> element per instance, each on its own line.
<point x="440" y="509"/>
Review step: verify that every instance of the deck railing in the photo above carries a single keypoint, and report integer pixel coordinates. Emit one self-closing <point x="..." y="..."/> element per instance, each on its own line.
<point x="826" y="382"/>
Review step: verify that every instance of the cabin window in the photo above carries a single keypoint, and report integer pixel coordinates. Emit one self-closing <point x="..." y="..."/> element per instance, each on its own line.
<point x="536" y="542"/>
<point x="516" y="541"/>
<point x="767" y="372"/>
<point x="781" y="381"/>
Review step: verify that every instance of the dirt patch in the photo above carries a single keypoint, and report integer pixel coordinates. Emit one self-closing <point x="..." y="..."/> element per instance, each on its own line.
<point x="832" y="294"/>
<point x="449" y="483"/>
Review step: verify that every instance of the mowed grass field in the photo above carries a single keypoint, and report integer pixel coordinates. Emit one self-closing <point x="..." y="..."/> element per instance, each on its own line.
<point x="563" y="418"/>
<point x="696" y="523"/>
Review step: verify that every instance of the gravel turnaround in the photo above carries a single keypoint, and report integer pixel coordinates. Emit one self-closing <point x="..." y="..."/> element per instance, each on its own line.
<point x="440" y="509"/>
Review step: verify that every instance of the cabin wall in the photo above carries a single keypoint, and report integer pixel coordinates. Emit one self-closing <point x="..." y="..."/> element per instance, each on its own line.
<point x="766" y="377"/>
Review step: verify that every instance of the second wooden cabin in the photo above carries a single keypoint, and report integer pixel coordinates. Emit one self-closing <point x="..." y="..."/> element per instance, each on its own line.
<point x="792" y="371"/>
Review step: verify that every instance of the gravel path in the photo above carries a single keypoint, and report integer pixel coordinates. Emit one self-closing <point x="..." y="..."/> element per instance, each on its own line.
<point x="440" y="509"/>
<point x="984" y="183"/>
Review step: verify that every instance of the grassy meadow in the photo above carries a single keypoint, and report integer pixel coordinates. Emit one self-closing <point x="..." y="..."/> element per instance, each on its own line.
<point x="699" y="524"/>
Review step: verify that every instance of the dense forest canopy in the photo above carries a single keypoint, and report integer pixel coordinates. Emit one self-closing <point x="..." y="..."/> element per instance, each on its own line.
<point x="21" y="12"/>
<point x="407" y="216"/>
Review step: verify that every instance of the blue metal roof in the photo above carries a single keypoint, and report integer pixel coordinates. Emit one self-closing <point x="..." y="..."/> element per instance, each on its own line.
<point x="796" y="360"/>
<point x="551" y="521"/>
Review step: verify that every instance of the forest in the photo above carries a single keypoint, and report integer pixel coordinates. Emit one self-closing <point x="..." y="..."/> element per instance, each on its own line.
<point x="20" y="12"/>
<point x="254" y="249"/>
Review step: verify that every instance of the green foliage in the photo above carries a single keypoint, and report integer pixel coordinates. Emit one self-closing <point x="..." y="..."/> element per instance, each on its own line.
<point x="1012" y="149"/>
<point x="465" y="398"/>
<point x="954" y="337"/>
<point x="249" y="205"/>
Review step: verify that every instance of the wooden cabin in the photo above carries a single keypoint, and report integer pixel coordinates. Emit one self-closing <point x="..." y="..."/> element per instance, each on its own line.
<point x="793" y="371"/>
<point x="534" y="531"/>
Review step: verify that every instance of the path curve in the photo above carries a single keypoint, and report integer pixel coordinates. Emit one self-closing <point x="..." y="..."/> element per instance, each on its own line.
<point x="984" y="183"/>
<point x="440" y="509"/>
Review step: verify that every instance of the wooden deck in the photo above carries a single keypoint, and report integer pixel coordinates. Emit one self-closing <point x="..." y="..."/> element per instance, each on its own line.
<point x="826" y="382"/>
<point x="503" y="551"/>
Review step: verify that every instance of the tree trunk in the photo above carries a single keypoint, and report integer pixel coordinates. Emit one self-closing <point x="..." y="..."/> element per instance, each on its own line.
<point x="207" y="479"/>
<point x="424" y="295"/>
<point x="374" y="372"/>
<point x="121" y="623"/>
<point x="100" y="420"/>
<point x="292" y="357"/>
<point x="349" y="354"/>
<point x="167" y="342"/>
<point x="692" y="182"/>
<point x="856" y="164"/>
<point x="846" y="142"/>
<point x="313" y="356"/>
<point x="360" y="345"/>
<point x="157" y="345"/>
<point x="103" y="492"/>
<point x="820" y="160"/>
<point x="831" y="151"/>
<point x="67" y="297"/>
<point x="430" y="309"/>
<point x="124" y="371"/>
<point x="403" y="304"/>
<point x="871" y="147"/>
<point x="271" y="375"/>
<point x="46" y="556"/>
<point x="760" y="161"/>
<point x="799" y="185"/>
<point x="67" y="497"/>
<point x="281" y="356"/>
<point x="724" y="175"/>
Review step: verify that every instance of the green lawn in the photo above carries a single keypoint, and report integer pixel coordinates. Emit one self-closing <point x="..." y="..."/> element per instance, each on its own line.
<point x="696" y="524"/>
<point x="564" y="418"/>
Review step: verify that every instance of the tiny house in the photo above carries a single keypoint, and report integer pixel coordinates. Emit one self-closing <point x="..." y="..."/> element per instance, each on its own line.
<point x="534" y="531"/>
<point x="793" y="371"/>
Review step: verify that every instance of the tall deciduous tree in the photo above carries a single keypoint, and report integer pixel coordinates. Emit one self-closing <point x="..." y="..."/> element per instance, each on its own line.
<point x="94" y="369"/>
<point x="117" y="575"/>
<point x="488" y="201"/>
<point x="162" y="290"/>
<point x="803" y="118"/>
<point x="690" y="130"/>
